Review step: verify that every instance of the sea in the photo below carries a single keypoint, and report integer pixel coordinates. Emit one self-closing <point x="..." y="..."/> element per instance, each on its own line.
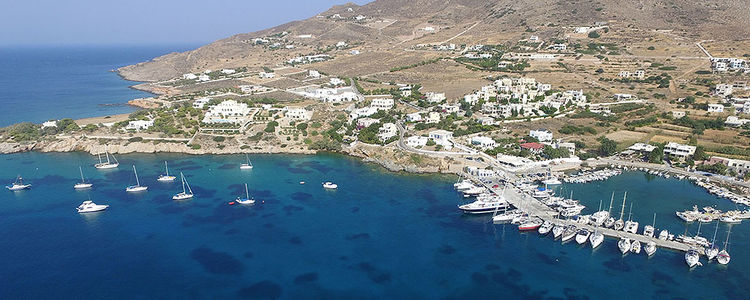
<point x="380" y="235"/>
<point x="40" y="83"/>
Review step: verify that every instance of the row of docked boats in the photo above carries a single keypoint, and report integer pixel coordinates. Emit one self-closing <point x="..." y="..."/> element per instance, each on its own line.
<point x="589" y="176"/>
<point x="710" y="214"/>
<point x="723" y="192"/>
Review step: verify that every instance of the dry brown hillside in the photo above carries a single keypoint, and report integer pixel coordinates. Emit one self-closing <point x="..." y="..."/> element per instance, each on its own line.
<point x="397" y="24"/>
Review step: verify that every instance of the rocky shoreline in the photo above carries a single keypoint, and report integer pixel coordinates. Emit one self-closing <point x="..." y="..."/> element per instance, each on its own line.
<point x="389" y="158"/>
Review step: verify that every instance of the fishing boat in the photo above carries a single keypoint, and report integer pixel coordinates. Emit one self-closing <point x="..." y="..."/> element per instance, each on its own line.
<point x="624" y="245"/>
<point x="557" y="231"/>
<point x="582" y="236"/>
<point x="330" y="185"/>
<point x="18" y="185"/>
<point x="546" y="227"/>
<point x="650" y="248"/>
<point x="730" y="220"/>
<point x="532" y="224"/>
<point x="83" y="184"/>
<point x="107" y="164"/>
<point x="692" y="257"/>
<point x="89" y="206"/>
<point x="245" y="200"/>
<point x="248" y="165"/>
<point x="186" y="194"/>
<point x="551" y="181"/>
<point x="596" y="239"/>
<point x="166" y="177"/>
<point x="723" y="256"/>
<point x="137" y="187"/>
<point x="635" y="247"/>
<point x="569" y="233"/>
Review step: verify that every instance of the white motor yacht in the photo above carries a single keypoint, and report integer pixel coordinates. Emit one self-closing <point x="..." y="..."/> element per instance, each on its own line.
<point x="330" y="185"/>
<point x="650" y="248"/>
<point x="463" y="185"/>
<point x="692" y="258"/>
<point x="485" y="205"/>
<point x="596" y="239"/>
<point x="83" y="184"/>
<point x="186" y="194"/>
<point x="137" y="187"/>
<point x="624" y="245"/>
<point x="18" y="185"/>
<point x="557" y="231"/>
<point x="247" y="199"/>
<point x="552" y="181"/>
<point x="635" y="247"/>
<point x="506" y="217"/>
<point x="166" y="177"/>
<point x="582" y="236"/>
<point x="546" y="227"/>
<point x="631" y="226"/>
<point x="474" y="191"/>
<point x="89" y="206"/>
<point x="664" y="235"/>
<point x="730" y="220"/>
<point x="609" y="222"/>
<point x="648" y="231"/>
<point x="599" y="218"/>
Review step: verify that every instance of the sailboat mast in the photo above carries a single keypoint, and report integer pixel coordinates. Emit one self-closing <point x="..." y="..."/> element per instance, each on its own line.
<point x="247" y="194"/>
<point x="611" y="200"/>
<point x="600" y="205"/>
<point x="166" y="168"/>
<point x="137" y="182"/>
<point x="727" y="240"/>
<point x="713" y="241"/>
<point x="654" y="223"/>
<point x="630" y="213"/>
<point x="622" y="211"/>
<point x="81" y="170"/>
<point x="182" y="177"/>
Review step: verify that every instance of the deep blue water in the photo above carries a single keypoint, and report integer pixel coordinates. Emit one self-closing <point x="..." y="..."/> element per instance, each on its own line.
<point x="43" y="83"/>
<point x="381" y="235"/>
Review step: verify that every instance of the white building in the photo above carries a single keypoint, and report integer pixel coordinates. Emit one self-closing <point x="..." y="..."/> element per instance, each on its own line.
<point x="624" y="74"/>
<point x="203" y="77"/>
<point x="387" y="131"/>
<point x="449" y="108"/>
<point x="228" y="71"/>
<point x="441" y="137"/>
<point x="313" y="74"/>
<point x="558" y="47"/>
<point x="432" y="118"/>
<point x="736" y="122"/>
<point x="679" y="151"/>
<point x="534" y="38"/>
<point x="189" y="76"/>
<point x="677" y="114"/>
<point x="642" y="147"/>
<point x="139" y="125"/>
<point x="414" y="117"/>
<point x="724" y="90"/>
<point x="416" y="141"/>
<point x="266" y="75"/>
<point x="433" y="97"/>
<point x="200" y="102"/>
<point x="228" y="111"/>
<point x="623" y="97"/>
<point x="483" y="142"/>
<point x="640" y="74"/>
<point x="51" y="123"/>
<point x="298" y="113"/>
<point x="382" y="103"/>
<point x="362" y="112"/>
<point x="543" y="135"/>
<point x="718" y="108"/>
<point x="332" y="95"/>
<point x="336" y="81"/>
<point x="366" y="122"/>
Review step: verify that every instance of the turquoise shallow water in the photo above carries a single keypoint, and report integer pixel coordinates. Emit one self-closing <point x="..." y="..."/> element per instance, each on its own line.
<point x="381" y="235"/>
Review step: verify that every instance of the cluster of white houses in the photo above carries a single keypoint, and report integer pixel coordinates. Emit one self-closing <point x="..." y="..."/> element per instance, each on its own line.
<point x="332" y="95"/>
<point x="724" y="64"/>
<point x="521" y="96"/>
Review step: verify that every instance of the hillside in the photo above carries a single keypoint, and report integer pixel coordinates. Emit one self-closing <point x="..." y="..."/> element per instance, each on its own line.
<point x="391" y="24"/>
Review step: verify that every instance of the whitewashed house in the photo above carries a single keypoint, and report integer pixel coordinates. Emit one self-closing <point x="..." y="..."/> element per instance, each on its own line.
<point x="416" y="141"/>
<point x="414" y="117"/>
<point x="483" y="142"/>
<point x="313" y="74"/>
<point x="266" y="75"/>
<point x="203" y="77"/>
<point x="432" y="118"/>
<point x="189" y="76"/>
<point x="382" y="103"/>
<point x="449" y="108"/>
<point x="228" y="111"/>
<point x="679" y="151"/>
<point x="50" y="123"/>
<point x="433" y="97"/>
<point x="442" y="138"/>
<point x="200" y="102"/>
<point x="543" y="135"/>
<point x="366" y="122"/>
<point x="387" y="131"/>
<point x="298" y="113"/>
<point x="139" y="125"/>
<point x="362" y="112"/>
<point x="228" y="71"/>
<point x="717" y="108"/>
<point x="336" y="81"/>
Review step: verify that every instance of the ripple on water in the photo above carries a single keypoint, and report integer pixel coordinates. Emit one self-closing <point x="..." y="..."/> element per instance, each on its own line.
<point x="447" y="249"/>
<point x="306" y="278"/>
<point x="262" y="290"/>
<point x="357" y="236"/>
<point x="373" y="273"/>
<point x="617" y="264"/>
<point x="290" y="209"/>
<point x="296" y="240"/>
<point x="300" y="196"/>
<point x="227" y="167"/>
<point x="217" y="262"/>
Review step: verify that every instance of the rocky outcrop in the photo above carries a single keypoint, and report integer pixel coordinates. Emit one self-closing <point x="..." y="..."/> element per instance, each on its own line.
<point x="10" y="147"/>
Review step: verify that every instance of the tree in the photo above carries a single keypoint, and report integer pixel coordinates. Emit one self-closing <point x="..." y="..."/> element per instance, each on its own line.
<point x="594" y="34"/>
<point x="302" y="126"/>
<point x="656" y="156"/>
<point x="700" y="154"/>
<point x="608" y="147"/>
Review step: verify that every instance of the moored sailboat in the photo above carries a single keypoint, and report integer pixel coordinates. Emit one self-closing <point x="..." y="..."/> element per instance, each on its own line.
<point x="137" y="187"/>
<point x="248" y="165"/>
<point x="247" y="199"/>
<point x="108" y="164"/>
<point x="166" y="177"/>
<point x="83" y="184"/>
<point x="186" y="194"/>
<point x="18" y="185"/>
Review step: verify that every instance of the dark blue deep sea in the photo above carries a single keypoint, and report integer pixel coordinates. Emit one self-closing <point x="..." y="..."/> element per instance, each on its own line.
<point x="380" y="235"/>
<point x="42" y="83"/>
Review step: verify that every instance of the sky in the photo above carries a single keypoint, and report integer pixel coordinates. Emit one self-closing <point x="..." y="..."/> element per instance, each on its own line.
<point x="112" y="22"/>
